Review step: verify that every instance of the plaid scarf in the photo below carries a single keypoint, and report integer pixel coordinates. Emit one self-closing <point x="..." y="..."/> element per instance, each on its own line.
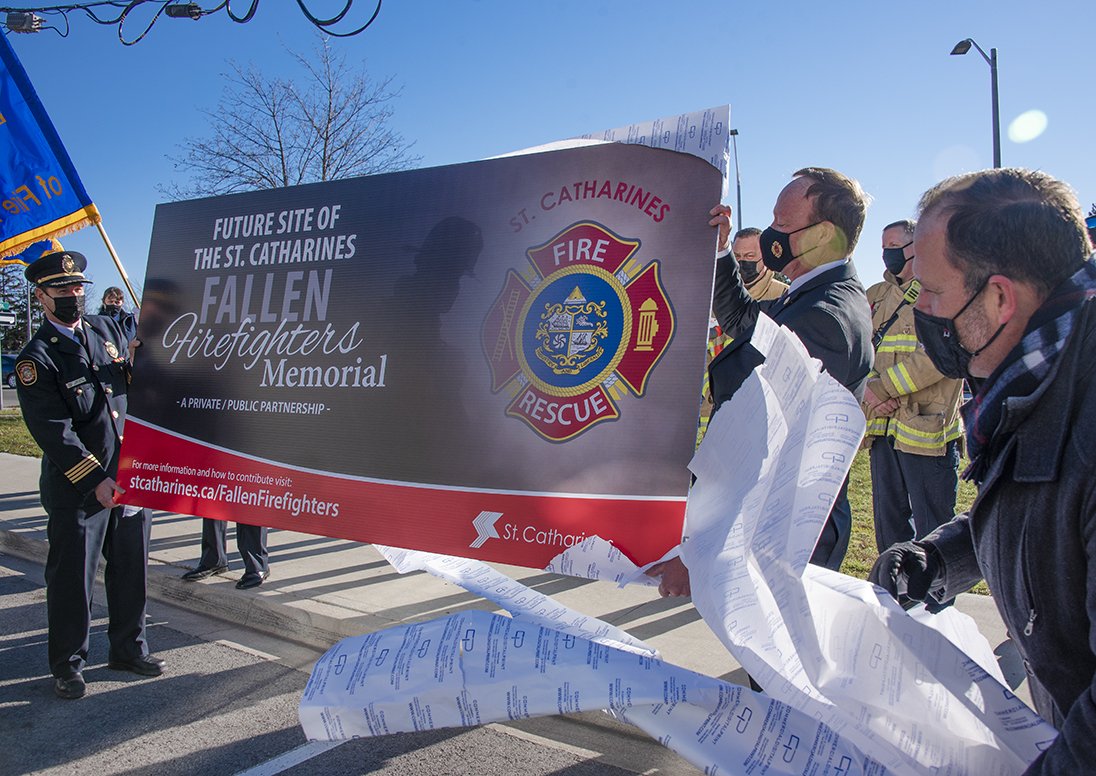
<point x="1026" y="367"/>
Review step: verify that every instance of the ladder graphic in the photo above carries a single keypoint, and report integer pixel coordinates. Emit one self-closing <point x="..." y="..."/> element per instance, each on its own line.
<point x="504" y="344"/>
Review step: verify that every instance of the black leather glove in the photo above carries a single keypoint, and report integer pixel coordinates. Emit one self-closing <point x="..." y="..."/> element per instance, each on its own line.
<point x="907" y="570"/>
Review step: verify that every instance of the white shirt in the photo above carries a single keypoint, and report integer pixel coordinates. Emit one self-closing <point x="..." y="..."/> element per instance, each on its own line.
<point x="810" y="275"/>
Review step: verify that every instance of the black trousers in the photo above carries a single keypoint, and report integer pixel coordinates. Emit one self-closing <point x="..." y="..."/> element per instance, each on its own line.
<point x="77" y="538"/>
<point x="250" y="541"/>
<point x="912" y="495"/>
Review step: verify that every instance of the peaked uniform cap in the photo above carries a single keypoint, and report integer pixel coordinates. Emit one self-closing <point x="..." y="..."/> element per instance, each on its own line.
<point x="60" y="268"/>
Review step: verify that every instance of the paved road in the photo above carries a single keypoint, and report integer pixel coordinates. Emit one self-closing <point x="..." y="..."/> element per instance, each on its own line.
<point x="229" y="704"/>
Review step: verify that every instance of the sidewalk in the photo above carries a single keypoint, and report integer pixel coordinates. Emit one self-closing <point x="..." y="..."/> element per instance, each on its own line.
<point x="321" y="590"/>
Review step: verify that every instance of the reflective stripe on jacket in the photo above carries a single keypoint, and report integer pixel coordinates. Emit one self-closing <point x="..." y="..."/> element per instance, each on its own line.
<point x="927" y="418"/>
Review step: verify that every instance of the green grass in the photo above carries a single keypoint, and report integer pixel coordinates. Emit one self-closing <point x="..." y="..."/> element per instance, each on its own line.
<point x="862" y="553"/>
<point x="14" y="437"/>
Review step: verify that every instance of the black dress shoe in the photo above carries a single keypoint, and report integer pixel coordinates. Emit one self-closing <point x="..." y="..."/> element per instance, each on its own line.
<point x="251" y="579"/>
<point x="202" y="572"/>
<point x="145" y="665"/>
<point x="70" y="688"/>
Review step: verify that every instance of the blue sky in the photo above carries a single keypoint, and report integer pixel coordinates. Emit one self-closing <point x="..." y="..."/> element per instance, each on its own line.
<point x="866" y="86"/>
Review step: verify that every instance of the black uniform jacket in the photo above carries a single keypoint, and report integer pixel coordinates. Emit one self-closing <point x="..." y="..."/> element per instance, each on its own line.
<point x="829" y="313"/>
<point x="74" y="406"/>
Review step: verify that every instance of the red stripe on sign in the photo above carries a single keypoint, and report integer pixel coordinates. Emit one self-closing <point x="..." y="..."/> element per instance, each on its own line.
<point x="164" y="471"/>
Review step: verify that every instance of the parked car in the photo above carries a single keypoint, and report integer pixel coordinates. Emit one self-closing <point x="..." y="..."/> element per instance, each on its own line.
<point x="8" y="370"/>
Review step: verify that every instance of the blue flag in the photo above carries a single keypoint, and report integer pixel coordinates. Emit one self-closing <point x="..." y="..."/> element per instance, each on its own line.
<point x="31" y="252"/>
<point x="41" y="195"/>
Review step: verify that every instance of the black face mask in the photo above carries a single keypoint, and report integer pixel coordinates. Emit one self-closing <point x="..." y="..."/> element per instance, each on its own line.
<point x="895" y="259"/>
<point x="940" y="338"/>
<point x="749" y="271"/>
<point x="776" y="247"/>
<point x="68" y="309"/>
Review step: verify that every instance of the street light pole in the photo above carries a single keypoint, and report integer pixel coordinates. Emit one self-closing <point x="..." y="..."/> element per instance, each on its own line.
<point x="737" y="178"/>
<point x="996" y="108"/>
<point x="962" y="47"/>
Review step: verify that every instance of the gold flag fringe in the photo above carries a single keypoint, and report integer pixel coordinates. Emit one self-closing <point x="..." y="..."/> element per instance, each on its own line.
<point x="86" y="216"/>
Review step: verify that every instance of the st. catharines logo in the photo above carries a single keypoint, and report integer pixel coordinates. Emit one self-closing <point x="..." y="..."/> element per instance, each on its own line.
<point x="484" y="523"/>
<point x="579" y="330"/>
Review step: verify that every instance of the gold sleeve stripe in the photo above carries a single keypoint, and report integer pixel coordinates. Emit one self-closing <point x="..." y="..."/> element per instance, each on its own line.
<point x="82" y="469"/>
<point x="85" y="461"/>
<point x="76" y="474"/>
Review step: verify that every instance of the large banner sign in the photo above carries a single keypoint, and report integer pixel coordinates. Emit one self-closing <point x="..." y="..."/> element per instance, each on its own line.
<point x="40" y="194"/>
<point x="494" y="360"/>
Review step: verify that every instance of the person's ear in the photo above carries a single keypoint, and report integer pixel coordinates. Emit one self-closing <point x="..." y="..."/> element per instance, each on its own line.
<point x="1001" y="299"/>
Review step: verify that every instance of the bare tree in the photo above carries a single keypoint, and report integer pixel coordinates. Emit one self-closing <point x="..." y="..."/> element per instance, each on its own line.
<point x="334" y="122"/>
<point x="13" y="291"/>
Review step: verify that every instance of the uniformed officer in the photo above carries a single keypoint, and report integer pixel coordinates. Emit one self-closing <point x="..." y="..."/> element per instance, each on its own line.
<point x="72" y="380"/>
<point x="914" y="431"/>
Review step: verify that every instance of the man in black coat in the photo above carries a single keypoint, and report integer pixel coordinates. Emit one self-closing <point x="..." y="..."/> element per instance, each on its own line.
<point x="73" y="377"/>
<point x="1008" y="301"/>
<point x="816" y="223"/>
<point x="817" y="220"/>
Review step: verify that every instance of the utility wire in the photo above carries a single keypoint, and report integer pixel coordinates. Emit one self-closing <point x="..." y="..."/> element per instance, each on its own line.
<point x="115" y="12"/>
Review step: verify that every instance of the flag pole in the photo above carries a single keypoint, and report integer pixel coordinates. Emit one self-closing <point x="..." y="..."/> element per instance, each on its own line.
<point x="118" y="264"/>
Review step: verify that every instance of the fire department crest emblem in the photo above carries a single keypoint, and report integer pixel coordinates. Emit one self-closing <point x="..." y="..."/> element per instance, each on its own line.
<point x="578" y="330"/>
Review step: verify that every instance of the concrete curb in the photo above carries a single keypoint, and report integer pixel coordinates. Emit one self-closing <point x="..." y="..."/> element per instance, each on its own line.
<point x="299" y="619"/>
<point x="26" y="548"/>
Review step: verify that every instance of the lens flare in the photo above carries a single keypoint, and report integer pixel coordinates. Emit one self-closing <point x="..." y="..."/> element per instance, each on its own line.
<point x="1027" y="126"/>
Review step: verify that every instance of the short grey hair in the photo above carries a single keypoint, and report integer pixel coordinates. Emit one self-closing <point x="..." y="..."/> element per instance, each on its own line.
<point x="1024" y="224"/>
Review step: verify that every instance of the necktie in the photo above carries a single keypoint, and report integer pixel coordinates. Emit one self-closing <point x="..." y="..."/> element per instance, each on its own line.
<point x="83" y="338"/>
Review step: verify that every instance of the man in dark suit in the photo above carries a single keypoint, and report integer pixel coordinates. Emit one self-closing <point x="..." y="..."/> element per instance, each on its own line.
<point x="250" y="541"/>
<point x="816" y="223"/>
<point x="73" y="377"/>
<point x="817" y="220"/>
